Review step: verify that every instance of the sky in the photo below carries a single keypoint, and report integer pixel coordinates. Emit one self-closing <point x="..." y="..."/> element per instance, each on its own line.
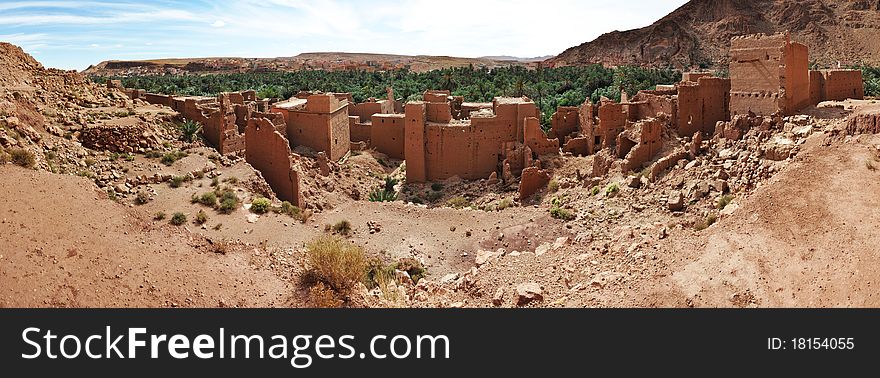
<point x="76" y="34"/>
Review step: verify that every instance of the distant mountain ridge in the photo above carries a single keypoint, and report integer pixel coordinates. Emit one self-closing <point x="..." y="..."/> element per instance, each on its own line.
<point x="698" y="33"/>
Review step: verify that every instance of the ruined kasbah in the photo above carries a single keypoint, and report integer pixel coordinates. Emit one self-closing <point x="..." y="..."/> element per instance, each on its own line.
<point x="640" y="202"/>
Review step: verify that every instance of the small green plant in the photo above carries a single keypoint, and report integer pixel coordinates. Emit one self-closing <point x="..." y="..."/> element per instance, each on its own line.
<point x="189" y="129"/>
<point x="553" y="186"/>
<point x="294" y="211"/>
<point x="342" y="227"/>
<point x="611" y="189"/>
<point x="177" y="181"/>
<point x="178" y="219"/>
<point x="159" y="216"/>
<point x="458" y="202"/>
<point x="22" y="157"/>
<point x="201" y="217"/>
<point x="129" y="157"/>
<point x="413" y="267"/>
<point x="171" y="157"/>
<point x="386" y="192"/>
<point x="561" y="213"/>
<point x="260" y="205"/>
<point x="215" y="182"/>
<point x="228" y="202"/>
<point x="208" y="199"/>
<point x="704" y="224"/>
<point x="596" y="189"/>
<point x="111" y="194"/>
<point x="503" y="204"/>
<point x="152" y="154"/>
<point x="231" y="180"/>
<point x="724" y="201"/>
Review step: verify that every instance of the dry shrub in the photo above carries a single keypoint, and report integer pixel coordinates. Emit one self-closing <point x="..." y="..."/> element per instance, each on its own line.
<point x="322" y="296"/>
<point x="335" y="262"/>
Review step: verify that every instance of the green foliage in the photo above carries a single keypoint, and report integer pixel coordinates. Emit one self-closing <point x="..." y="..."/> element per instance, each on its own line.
<point x="413" y="267"/>
<point x="548" y="87"/>
<point x="172" y="157"/>
<point x="159" y="216"/>
<point x="178" y="219"/>
<point x="458" y="202"/>
<point x="724" y="201"/>
<point x="261" y="205"/>
<point x="189" y="129"/>
<point x="612" y="188"/>
<point x="871" y="77"/>
<point x="561" y="213"/>
<point x="201" y="217"/>
<point x="229" y="201"/>
<point x="208" y="199"/>
<point x="553" y="186"/>
<point x="177" y="181"/>
<point x="386" y="192"/>
<point x="596" y="189"/>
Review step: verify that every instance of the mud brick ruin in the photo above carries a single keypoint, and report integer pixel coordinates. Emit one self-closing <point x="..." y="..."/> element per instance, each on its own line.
<point x="770" y="74"/>
<point x="443" y="136"/>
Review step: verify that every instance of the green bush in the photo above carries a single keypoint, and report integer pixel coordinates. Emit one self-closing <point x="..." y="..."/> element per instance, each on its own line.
<point x="560" y="213"/>
<point x="171" y="157"/>
<point x="159" y="216"/>
<point x="612" y="188"/>
<point x="261" y="205"/>
<point x="553" y="186"/>
<point x="201" y="217"/>
<point x="458" y="202"/>
<point x="189" y="129"/>
<point x="228" y="202"/>
<point x="177" y="181"/>
<point x="208" y="199"/>
<point x="596" y="189"/>
<point x="178" y="219"/>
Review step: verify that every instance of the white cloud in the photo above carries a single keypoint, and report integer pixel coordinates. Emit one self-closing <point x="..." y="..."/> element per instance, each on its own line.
<point x="218" y="24"/>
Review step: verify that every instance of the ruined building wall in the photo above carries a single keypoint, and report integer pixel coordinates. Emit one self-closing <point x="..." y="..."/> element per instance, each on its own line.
<point x="640" y="143"/>
<point x="817" y="86"/>
<point x="387" y="134"/>
<point x="322" y="126"/>
<point x="797" y="78"/>
<point x="269" y="152"/>
<point x="414" y="141"/>
<point x="701" y="105"/>
<point x="768" y="74"/>
<point x="840" y="85"/>
<point x="537" y="140"/>
<point x="564" y="122"/>
<point x="359" y="131"/>
<point x="612" y="120"/>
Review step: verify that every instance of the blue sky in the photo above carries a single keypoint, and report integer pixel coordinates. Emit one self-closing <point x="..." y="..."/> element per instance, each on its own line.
<point x="75" y="34"/>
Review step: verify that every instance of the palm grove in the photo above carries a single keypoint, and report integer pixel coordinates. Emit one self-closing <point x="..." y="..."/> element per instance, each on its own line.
<point x="548" y="87"/>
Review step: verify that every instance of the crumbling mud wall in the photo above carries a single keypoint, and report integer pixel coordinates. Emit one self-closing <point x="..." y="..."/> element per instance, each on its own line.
<point x="769" y="74"/>
<point x="468" y="149"/>
<point x="537" y="140"/>
<point x="531" y="181"/>
<point x="639" y="143"/>
<point x="702" y="104"/>
<point x="564" y="122"/>
<point x="269" y="152"/>
<point x="612" y="120"/>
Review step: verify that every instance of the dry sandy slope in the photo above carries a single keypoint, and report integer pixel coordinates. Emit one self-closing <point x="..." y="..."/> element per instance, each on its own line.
<point x="808" y="239"/>
<point x="62" y="243"/>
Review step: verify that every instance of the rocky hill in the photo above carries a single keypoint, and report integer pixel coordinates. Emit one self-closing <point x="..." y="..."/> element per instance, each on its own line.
<point x="698" y="33"/>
